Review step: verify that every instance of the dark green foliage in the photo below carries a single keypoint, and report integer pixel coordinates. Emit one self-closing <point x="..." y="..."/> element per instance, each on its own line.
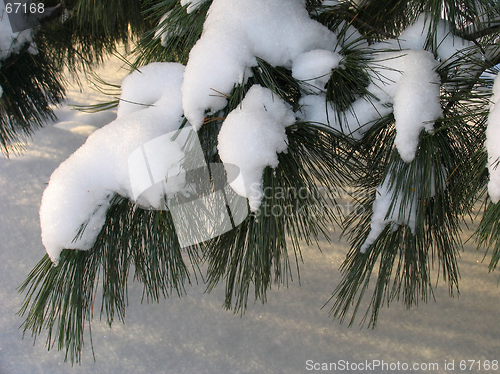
<point x="349" y="83"/>
<point x="62" y="297"/>
<point x="298" y="205"/>
<point x="279" y="80"/>
<point x="440" y="188"/>
<point x="405" y="258"/>
<point x="183" y="32"/>
<point x="487" y="234"/>
<point x="30" y="85"/>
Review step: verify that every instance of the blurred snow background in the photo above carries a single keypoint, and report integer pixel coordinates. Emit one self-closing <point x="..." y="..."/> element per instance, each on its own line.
<point x="195" y="334"/>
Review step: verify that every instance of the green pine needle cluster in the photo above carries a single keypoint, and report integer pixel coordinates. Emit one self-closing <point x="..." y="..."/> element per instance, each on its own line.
<point x="60" y="298"/>
<point x="440" y="188"/>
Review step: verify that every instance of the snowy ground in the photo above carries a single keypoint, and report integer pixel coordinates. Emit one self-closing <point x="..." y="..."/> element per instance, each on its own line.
<point x="194" y="334"/>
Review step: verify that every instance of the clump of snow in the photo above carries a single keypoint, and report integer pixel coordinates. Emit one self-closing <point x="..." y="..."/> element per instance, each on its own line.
<point x="314" y="68"/>
<point x="407" y="80"/>
<point x="386" y="210"/>
<point x="391" y="207"/>
<point x="447" y="44"/>
<point x="403" y="81"/>
<point x="12" y="42"/>
<point x="145" y="86"/>
<point x="416" y="101"/>
<point x="492" y="143"/>
<point x="353" y="121"/>
<point x="234" y="34"/>
<point x="251" y="137"/>
<point x="162" y="33"/>
<point x="155" y="171"/>
<point x="192" y="5"/>
<point x="80" y="188"/>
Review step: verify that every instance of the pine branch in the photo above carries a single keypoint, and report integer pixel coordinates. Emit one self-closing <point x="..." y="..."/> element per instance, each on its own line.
<point x="404" y="257"/>
<point x="439" y="188"/>
<point x="487" y="235"/>
<point x="60" y="299"/>
<point x="30" y="85"/>
<point x="299" y="205"/>
<point x="181" y="30"/>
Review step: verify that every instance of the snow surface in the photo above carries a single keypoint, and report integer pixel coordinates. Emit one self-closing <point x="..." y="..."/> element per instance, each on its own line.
<point x="251" y="137"/>
<point x="492" y="143"/>
<point x="80" y="189"/>
<point x="234" y="34"/>
<point x="194" y="334"/>
<point x="145" y="86"/>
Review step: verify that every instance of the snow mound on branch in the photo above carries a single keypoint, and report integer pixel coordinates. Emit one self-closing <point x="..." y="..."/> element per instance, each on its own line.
<point x="145" y="86"/>
<point x="416" y="101"/>
<point x="192" y="5"/>
<point x="80" y="189"/>
<point x="384" y="214"/>
<point x="234" y="34"/>
<point x="391" y="206"/>
<point x="314" y="68"/>
<point x="354" y="121"/>
<point x="251" y="137"/>
<point x="404" y="82"/>
<point x="492" y="143"/>
<point x="447" y="44"/>
<point x="407" y="81"/>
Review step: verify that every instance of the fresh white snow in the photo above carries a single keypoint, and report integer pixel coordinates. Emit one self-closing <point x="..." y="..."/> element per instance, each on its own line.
<point x="492" y="143"/>
<point x="194" y="334"/>
<point x="416" y="101"/>
<point x="403" y="81"/>
<point x="251" y="137"/>
<point x="448" y="45"/>
<point x="234" y="34"/>
<point x="385" y="212"/>
<point x="80" y="189"/>
<point x="314" y="68"/>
